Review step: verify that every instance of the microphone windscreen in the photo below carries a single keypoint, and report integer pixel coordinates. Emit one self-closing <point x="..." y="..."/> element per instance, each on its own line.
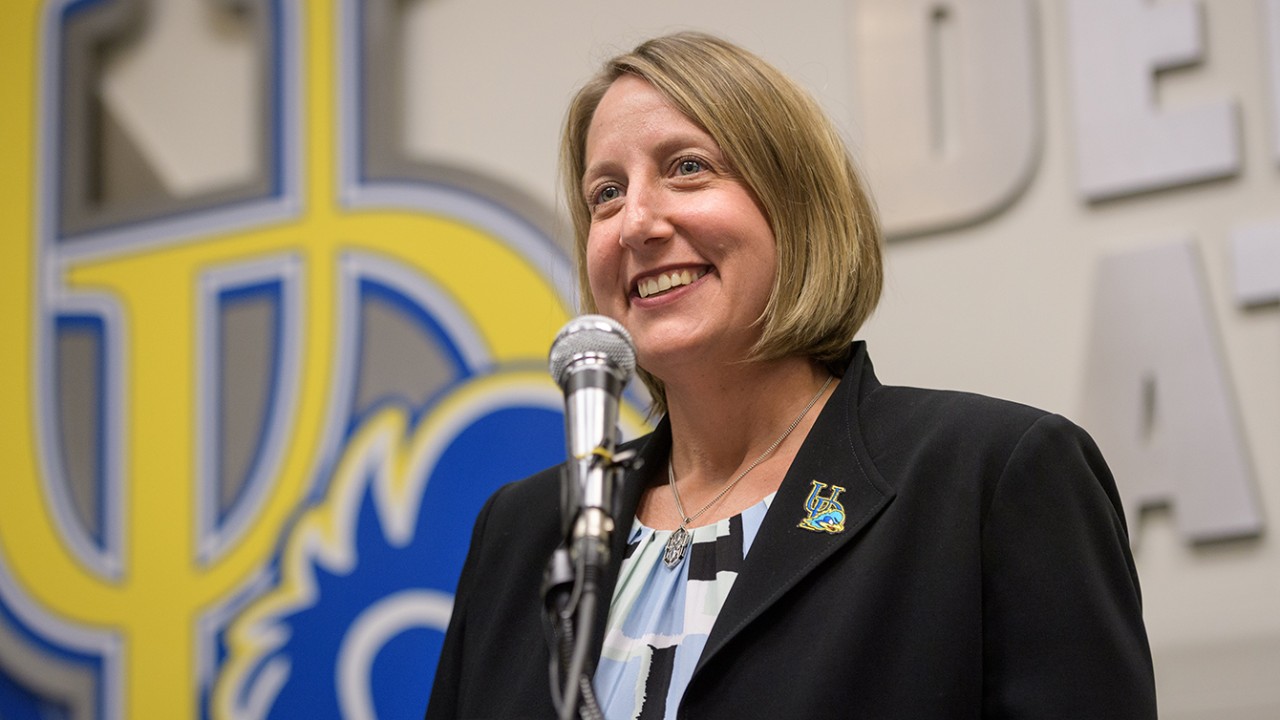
<point x="592" y="336"/>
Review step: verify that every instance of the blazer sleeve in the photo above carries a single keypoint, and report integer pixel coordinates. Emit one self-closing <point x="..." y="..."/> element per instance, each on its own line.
<point x="1062" y="611"/>
<point x="446" y="690"/>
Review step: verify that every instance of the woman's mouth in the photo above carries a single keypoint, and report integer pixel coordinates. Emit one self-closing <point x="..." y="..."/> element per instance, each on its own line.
<point x="656" y="285"/>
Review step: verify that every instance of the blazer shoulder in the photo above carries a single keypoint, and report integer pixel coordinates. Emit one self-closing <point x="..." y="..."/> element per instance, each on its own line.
<point x="945" y="414"/>
<point x="542" y="484"/>
<point x="974" y="443"/>
<point x="956" y="434"/>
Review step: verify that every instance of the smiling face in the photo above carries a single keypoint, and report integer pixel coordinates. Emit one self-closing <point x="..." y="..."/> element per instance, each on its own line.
<point x="678" y="250"/>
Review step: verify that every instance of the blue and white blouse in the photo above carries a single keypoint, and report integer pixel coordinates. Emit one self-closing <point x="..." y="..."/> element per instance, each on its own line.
<point x="660" y="617"/>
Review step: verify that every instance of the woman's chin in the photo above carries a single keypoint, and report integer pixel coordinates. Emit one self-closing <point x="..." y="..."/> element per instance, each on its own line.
<point x="672" y="355"/>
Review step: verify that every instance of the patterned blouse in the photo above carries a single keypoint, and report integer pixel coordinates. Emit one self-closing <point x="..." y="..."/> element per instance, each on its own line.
<point x="660" y="617"/>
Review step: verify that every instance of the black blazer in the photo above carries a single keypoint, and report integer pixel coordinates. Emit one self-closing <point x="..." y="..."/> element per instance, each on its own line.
<point x="984" y="572"/>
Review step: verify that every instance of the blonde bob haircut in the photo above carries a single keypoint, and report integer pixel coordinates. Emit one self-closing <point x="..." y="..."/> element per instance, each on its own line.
<point x="790" y="156"/>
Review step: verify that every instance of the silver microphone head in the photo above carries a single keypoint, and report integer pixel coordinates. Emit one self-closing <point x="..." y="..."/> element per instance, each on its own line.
<point x="592" y="337"/>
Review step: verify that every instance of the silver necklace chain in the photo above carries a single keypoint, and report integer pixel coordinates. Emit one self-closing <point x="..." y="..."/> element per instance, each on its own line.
<point x="680" y="538"/>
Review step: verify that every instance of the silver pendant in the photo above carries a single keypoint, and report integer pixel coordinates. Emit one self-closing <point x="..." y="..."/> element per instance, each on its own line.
<point x="676" y="546"/>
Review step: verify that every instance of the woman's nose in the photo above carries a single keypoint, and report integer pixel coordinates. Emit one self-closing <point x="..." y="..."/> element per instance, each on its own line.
<point x="645" y="219"/>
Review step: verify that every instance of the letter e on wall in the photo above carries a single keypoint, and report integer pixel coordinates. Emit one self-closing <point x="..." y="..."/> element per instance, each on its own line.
<point x="1125" y="143"/>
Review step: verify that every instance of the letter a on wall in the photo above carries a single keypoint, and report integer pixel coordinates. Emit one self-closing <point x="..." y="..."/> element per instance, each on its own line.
<point x="1157" y="398"/>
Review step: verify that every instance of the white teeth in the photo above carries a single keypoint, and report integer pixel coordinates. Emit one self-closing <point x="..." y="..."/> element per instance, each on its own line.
<point x="666" y="281"/>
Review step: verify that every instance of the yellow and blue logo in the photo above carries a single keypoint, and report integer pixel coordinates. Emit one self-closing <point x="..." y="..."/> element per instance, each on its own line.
<point x="246" y="432"/>
<point x="823" y="514"/>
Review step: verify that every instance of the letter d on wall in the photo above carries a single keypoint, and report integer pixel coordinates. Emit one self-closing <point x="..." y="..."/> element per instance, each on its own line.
<point x="948" y="108"/>
<point x="1156" y="396"/>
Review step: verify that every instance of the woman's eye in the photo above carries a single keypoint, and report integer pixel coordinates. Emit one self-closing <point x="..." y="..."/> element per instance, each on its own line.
<point x="689" y="166"/>
<point x="606" y="193"/>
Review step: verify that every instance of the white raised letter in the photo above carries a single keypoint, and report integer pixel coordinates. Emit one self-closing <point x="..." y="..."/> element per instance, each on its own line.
<point x="1156" y="396"/>
<point x="1272" y="30"/>
<point x="1255" y="259"/>
<point x="948" y="109"/>
<point x="1125" y="143"/>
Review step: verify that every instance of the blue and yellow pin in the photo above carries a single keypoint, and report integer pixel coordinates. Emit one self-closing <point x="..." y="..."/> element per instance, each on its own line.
<point x="825" y="514"/>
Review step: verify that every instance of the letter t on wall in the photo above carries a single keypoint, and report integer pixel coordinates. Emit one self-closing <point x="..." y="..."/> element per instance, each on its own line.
<point x="1255" y="260"/>
<point x="1125" y="142"/>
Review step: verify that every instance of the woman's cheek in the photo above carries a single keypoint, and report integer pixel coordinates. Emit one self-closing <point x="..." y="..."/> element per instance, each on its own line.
<point x="602" y="270"/>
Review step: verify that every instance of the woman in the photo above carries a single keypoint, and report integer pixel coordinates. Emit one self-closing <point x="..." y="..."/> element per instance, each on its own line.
<point x="853" y="549"/>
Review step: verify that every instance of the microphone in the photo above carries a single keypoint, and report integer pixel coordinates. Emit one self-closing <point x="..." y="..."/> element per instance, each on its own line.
<point x="591" y="359"/>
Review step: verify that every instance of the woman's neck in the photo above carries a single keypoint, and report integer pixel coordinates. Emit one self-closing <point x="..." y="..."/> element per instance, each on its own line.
<point x="723" y="419"/>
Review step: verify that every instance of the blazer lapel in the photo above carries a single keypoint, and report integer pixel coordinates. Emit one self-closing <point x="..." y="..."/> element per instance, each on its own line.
<point x="783" y="553"/>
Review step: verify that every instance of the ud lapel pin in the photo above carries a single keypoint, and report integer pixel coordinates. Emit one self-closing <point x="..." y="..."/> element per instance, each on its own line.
<point x="826" y="514"/>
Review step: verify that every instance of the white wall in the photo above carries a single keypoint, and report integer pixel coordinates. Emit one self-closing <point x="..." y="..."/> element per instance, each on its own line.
<point x="1000" y="307"/>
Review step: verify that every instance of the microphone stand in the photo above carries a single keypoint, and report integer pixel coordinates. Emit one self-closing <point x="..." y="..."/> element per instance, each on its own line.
<point x="591" y="360"/>
<point x="571" y="587"/>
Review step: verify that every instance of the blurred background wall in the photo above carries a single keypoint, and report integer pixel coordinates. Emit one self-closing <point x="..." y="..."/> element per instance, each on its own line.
<point x="280" y="277"/>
